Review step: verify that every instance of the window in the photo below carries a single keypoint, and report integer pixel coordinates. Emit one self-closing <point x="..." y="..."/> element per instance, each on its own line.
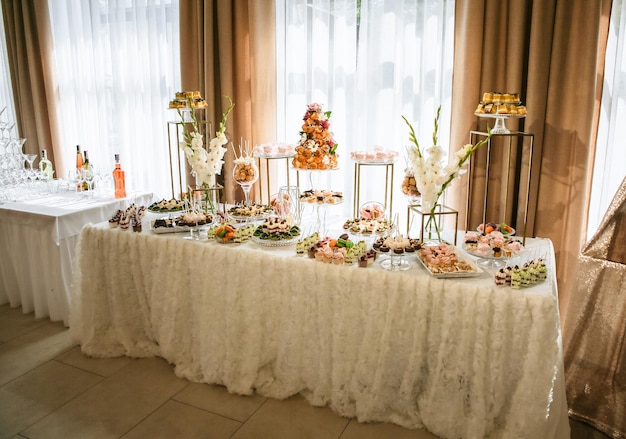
<point x="118" y="64"/>
<point x="6" y="92"/>
<point x="369" y="62"/>
<point x="609" y="168"/>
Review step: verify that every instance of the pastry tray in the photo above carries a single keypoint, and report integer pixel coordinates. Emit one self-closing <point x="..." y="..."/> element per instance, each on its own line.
<point x="475" y="269"/>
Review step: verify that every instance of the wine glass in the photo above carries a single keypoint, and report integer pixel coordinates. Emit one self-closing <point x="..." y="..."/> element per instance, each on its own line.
<point x="75" y="178"/>
<point x="30" y="158"/>
<point x="246" y="173"/>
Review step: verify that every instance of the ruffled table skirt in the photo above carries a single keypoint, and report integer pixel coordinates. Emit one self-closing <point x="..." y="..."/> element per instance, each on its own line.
<point x="461" y="358"/>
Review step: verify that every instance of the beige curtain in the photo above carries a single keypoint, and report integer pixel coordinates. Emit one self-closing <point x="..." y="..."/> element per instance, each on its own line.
<point x="551" y="52"/>
<point x="29" y="48"/>
<point x="228" y="48"/>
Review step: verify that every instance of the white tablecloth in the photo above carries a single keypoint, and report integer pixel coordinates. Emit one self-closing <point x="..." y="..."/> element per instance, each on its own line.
<point x="37" y="242"/>
<point x="460" y="357"/>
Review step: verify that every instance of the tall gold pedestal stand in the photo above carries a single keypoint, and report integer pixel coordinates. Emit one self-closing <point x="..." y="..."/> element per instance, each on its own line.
<point x="519" y="198"/>
<point x="178" y="162"/>
<point x="388" y="201"/>
<point x="267" y="160"/>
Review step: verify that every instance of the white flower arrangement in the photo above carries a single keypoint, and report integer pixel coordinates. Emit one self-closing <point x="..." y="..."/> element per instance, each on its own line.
<point x="205" y="165"/>
<point x="431" y="176"/>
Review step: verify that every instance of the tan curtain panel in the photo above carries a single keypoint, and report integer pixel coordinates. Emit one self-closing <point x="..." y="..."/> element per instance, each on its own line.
<point x="550" y="51"/>
<point x="29" y="48"/>
<point x="228" y="48"/>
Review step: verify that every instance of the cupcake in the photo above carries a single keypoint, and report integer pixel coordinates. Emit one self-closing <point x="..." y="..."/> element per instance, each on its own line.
<point x="137" y="224"/>
<point x="125" y="222"/>
<point x="115" y="220"/>
<point x="500" y="277"/>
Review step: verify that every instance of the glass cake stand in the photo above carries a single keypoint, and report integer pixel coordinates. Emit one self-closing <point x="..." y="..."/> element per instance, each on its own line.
<point x="500" y="126"/>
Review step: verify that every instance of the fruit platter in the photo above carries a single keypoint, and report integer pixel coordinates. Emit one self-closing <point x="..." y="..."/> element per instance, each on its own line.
<point x="276" y="231"/>
<point x="338" y="251"/>
<point x="227" y="233"/>
<point x="167" y="206"/>
<point x="503" y="228"/>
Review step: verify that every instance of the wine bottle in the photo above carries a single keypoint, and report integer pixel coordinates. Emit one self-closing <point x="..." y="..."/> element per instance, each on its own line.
<point x="79" y="166"/>
<point x="87" y="168"/>
<point x="119" y="178"/>
<point x="79" y="158"/>
<point x="45" y="165"/>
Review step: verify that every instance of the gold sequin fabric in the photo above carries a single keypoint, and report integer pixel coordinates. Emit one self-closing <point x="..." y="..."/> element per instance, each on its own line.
<point x="594" y="335"/>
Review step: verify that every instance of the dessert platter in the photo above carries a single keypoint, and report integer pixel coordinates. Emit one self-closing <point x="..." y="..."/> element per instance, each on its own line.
<point x="274" y="151"/>
<point x="517" y="277"/>
<point x="166" y="206"/>
<point x="491" y="247"/>
<point x="445" y="261"/>
<point x="128" y="219"/>
<point x="365" y="226"/>
<point x="314" y="196"/>
<point x="275" y="232"/>
<point x="255" y="211"/>
<point x="183" y="223"/>
<point x="396" y="247"/>
<point x="188" y="100"/>
<point x="500" y="106"/>
<point x="378" y="156"/>
<point x="504" y="104"/>
<point x="372" y="210"/>
<point x="371" y="220"/>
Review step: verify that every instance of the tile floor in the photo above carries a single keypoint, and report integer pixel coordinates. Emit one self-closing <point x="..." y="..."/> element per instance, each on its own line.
<point x="49" y="389"/>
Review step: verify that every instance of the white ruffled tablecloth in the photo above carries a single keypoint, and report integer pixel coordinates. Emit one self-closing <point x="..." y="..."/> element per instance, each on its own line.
<point x="459" y="357"/>
<point x="37" y="242"/>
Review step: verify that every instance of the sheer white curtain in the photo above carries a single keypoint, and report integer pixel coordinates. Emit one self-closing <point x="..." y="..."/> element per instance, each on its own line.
<point x="118" y="66"/>
<point x="610" y="159"/>
<point x="369" y="62"/>
<point x="6" y="92"/>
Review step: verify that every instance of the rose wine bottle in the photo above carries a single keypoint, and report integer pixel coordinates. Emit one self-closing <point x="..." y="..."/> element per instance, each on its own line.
<point x="119" y="179"/>
<point x="79" y="166"/>
<point x="79" y="158"/>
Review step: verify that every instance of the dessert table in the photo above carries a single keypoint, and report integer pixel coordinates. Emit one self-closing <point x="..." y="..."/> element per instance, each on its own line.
<point x="462" y="358"/>
<point x="37" y="241"/>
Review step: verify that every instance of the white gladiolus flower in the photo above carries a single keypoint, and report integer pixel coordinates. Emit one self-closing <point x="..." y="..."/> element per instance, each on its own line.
<point x="205" y="164"/>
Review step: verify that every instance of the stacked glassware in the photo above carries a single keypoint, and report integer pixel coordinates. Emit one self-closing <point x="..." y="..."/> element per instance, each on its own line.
<point x="19" y="179"/>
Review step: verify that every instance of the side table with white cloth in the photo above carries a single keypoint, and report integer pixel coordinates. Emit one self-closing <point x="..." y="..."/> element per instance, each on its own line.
<point x="462" y="358"/>
<point x="37" y="242"/>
